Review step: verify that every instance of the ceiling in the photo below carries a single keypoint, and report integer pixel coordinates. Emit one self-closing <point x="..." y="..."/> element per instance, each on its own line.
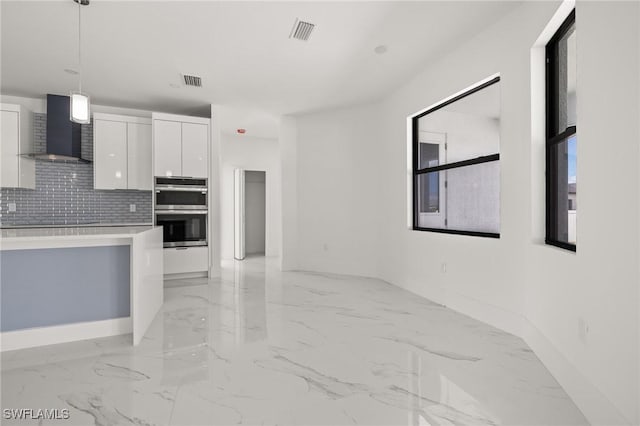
<point x="135" y="51"/>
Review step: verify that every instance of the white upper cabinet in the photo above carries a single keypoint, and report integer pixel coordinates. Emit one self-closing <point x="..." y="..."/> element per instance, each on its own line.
<point x="10" y="148"/>
<point x="167" y="148"/>
<point x="121" y="152"/>
<point x="180" y="145"/>
<point x="194" y="149"/>
<point x="110" y="154"/>
<point x="16" y="139"/>
<point x="139" y="151"/>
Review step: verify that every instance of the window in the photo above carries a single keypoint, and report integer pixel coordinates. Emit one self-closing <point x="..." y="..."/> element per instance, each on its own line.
<point x="456" y="168"/>
<point x="562" y="140"/>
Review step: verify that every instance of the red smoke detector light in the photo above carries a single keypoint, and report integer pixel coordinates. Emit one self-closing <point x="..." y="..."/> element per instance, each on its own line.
<point x="242" y="131"/>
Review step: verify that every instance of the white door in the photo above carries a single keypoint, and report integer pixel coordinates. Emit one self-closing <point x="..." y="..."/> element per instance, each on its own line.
<point x="9" y="149"/>
<point x="432" y="196"/>
<point x="110" y="154"/>
<point x="139" y="156"/>
<point x="167" y="148"/>
<point x="238" y="214"/>
<point x="195" y="139"/>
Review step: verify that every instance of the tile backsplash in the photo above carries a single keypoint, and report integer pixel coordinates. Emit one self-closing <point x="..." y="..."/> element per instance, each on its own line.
<point x="64" y="193"/>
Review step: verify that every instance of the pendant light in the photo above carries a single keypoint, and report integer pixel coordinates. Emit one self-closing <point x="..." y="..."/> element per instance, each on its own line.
<point x="80" y="111"/>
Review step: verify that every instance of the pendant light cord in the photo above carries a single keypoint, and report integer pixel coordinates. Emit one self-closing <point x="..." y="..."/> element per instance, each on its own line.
<point x="80" y="45"/>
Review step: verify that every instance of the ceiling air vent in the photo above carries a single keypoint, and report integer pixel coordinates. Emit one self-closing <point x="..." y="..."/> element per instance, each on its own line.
<point x="192" y="80"/>
<point x="301" y="30"/>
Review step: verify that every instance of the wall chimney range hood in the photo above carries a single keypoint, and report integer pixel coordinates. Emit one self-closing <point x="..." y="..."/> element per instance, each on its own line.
<point x="63" y="141"/>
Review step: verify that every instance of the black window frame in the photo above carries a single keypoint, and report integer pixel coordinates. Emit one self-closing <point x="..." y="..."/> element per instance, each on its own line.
<point x="552" y="133"/>
<point x="416" y="171"/>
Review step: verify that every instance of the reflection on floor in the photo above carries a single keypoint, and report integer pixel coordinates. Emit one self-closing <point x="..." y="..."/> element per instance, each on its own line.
<point x="263" y="347"/>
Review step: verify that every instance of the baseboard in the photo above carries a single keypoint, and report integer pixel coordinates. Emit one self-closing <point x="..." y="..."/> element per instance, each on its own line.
<point x="491" y="314"/>
<point x="186" y="276"/>
<point x="42" y="336"/>
<point x="594" y="405"/>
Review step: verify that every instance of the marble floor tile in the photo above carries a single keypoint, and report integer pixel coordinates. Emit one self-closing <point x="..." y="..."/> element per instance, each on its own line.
<point x="262" y="347"/>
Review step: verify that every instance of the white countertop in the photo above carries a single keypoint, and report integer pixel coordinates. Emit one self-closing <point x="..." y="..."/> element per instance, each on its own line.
<point x="76" y="225"/>
<point x="70" y="233"/>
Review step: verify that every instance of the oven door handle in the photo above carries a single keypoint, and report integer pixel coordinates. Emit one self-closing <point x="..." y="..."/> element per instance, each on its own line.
<point x="172" y="188"/>
<point x="180" y="212"/>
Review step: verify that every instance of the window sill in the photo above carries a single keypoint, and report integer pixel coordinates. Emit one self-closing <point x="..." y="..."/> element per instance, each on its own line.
<point x="562" y="245"/>
<point x="454" y="232"/>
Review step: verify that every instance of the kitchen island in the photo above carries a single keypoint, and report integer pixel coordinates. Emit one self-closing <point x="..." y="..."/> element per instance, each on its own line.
<point x="74" y="283"/>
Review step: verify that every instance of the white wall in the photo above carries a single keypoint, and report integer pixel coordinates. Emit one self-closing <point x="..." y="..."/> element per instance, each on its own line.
<point x="338" y="195"/>
<point x="352" y="197"/>
<point x="288" y="141"/>
<point x="250" y="153"/>
<point x="598" y="285"/>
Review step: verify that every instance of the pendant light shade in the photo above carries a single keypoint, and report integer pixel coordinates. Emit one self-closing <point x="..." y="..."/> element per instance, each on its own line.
<point x="80" y="111"/>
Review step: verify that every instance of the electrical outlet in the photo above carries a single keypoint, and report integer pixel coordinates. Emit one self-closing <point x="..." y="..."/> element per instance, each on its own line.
<point x="443" y="267"/>
<point x="325" y="247"/>
<point x="12" y="207"/>
<point x="132" y="208"/>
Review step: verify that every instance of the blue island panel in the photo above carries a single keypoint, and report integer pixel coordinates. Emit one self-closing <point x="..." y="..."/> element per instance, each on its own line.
<point x="46" y="287"/>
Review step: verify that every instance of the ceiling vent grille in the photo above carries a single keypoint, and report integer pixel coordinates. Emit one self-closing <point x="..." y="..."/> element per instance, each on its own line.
<point x="301" y="30"/>
<point x="192" y="80"/>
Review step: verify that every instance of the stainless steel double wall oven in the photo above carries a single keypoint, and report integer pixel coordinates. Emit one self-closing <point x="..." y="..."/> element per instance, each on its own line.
<point x="181" y="208"/>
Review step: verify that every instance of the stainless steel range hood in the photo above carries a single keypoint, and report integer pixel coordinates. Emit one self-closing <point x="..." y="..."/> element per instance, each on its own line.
<point x="63" y="141"/>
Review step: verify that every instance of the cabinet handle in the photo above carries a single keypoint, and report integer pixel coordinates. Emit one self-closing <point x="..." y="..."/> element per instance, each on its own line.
<point x="181" y="248"/>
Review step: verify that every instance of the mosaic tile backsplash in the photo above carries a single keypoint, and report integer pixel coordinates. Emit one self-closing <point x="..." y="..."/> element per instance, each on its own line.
<point x="64" y="193"/>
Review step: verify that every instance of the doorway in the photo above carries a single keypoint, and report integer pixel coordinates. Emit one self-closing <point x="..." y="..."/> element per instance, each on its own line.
<point x="250" y="213"/>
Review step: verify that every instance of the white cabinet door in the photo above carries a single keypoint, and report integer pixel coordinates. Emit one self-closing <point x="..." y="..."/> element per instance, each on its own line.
<point x="26" y="166"/>
<point x="167" y="150"/>
<point x="184" y="260"/>
<point x="195" y="139"/>
<point x="110" y="154"/>
<point x="139" y="156"/>
<point x="9" y="144"/>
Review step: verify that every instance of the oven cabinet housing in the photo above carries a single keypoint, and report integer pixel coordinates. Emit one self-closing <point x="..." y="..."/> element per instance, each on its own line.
<point x="121" y="152"/>
<point x="180" y="146"/>
<point x="16" y="171"/>
<point x="186" y="260"/>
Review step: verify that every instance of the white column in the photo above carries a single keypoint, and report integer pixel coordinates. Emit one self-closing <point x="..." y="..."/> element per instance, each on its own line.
<point x="215" y="176"/>
<point x="289" y="166"/>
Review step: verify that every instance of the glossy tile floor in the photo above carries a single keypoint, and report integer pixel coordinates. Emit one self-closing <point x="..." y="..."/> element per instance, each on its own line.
<point x="263" y="347"/>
